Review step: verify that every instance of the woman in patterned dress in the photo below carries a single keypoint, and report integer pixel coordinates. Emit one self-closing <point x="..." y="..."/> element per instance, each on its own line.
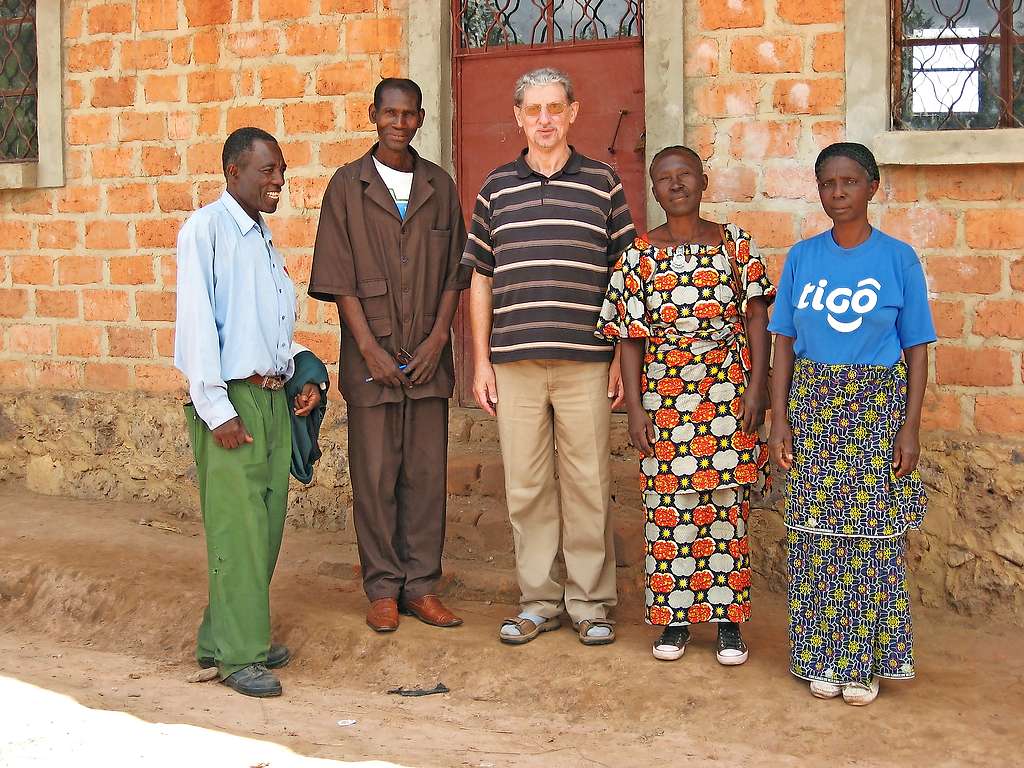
<point x="696" y="393"/>
<point x="852" y="302"/>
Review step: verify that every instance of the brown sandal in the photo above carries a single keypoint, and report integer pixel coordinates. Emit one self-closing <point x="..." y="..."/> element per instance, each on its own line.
<point x="584" y="627"/>
<point x="527" y="629"/>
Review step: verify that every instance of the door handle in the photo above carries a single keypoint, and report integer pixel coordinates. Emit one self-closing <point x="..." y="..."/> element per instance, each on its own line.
<point x="618" y="124"/>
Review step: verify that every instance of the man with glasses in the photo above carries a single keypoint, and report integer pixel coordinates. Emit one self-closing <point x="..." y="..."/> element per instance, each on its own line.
<point x="546" y="230"/>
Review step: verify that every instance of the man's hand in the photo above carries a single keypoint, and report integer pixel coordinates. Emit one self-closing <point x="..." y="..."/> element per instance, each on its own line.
<point x="616" y="392"/>
<point x="383" y="367"/>
<point x="485" y="388"/>
<point x="780" y="443"/>
<point x="425" y="360"/>
<point x="232" y="434"/>
<point x="307" y="399"/>
<point x="753" y="404"/>
<point x="906" y="452"/>
<point x="642" y="433"/>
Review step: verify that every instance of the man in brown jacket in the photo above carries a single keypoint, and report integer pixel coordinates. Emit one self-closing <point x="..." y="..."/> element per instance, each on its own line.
<point x="387" y="252"/>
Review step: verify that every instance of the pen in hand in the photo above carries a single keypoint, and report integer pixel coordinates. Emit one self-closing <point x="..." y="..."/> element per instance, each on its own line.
<point x="401" y="368"/>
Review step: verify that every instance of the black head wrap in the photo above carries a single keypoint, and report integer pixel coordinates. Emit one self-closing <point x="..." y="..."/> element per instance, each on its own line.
<point x="856" y="152"/>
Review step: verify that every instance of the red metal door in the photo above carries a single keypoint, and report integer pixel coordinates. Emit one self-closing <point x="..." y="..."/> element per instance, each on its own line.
<point x="598" y="43"/>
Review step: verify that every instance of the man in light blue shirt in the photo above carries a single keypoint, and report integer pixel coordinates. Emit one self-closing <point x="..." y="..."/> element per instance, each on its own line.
<point x="233" y="342"/>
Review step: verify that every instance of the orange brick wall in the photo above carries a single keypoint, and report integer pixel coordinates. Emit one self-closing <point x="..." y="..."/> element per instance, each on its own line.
<point x="87" y="271"/>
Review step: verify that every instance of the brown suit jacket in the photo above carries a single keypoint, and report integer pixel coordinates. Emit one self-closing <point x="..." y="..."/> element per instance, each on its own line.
<point x="398" y="269"/>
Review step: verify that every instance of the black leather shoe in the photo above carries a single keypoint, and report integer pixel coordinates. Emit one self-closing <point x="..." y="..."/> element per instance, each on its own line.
<point x="254" y="680"/>
<point x="277" y="657"/>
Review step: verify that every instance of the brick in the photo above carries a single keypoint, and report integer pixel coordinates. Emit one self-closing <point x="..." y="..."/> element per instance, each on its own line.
<point x="204" y="87"/>
<point x="15" y="236"/>
<point x="204" y="158"/>
<point x="294" y="232"/>
<point x="309" y="117"/>
<point x="941" y="411"/>
<point x="155" y="305"/>
<point x="900" y="184"/>
<point x="790" y="183"/>
<point x="142" y="126"/>
<point x="731" y="100"/>
<point x="829" y="52"/>
<point x="347" y="77"/>
<point x="247" y="83"/>
<point x="107" y="236"/>
<point x="33" y="201"/>
<point x="181" y="126"/>
<point x="312" y="39"/>
<point x="72" y="23"/>
<point x="979" y="274"/>
<point x="760" y="54"/>
<point x="201" y="13"/>
<point x="323" y="345"/>
<point x="208" y="191"/>
<point x="995" y="229"/>
<point x="701" y="138"/>
<point x="274" y="10"/>
<point x="816" y="96"/>
<point x="61" y="235"/>
<point x="282" y="82"/>
<point x="168" y="271"/>
<point x="131" y="270"/>
<point x="74" y="94"/>
<point x="1017" y="275"/>
<point x="750" y="140"/>
<point x="79" y="270"/>
<point x="107" y="376"/>
<point x="206" y="47"/>
<point x="112" y="162"/>
<point x="701" y="58"/>
<point x="15" y="374"/>
<point x="357" y="118"/>
<point x="110" y="18"/>
<point x="973" y="367"/>
<point x="157" y="233"/>
<point x="144" y="54"/>
<point x="174" y="196"/>
<point x="210" y="121"/>
<point x="736" y="184"/>
<point x="155" y="15"/>
<point x="1002" y="318"/>
<point x="731" y="14"/>
<point x="159" y="88"/>
<point x="770" y="229"/>
<point x="373" y="35"/>
<point x="129" y="198"/>
<point x="90" y="57"/>
<point x="921" y="226"/>
<point x="255" y="43"/>
<point x="817" y="12"/>
<point x="58" y="374"/>
<point x="307" y="192"/>
<point x="997" y="415"/>
<point x="390" y="65"/>
<point x="78" y="199"/>
<point x="129" y="342"/>
<point x="159" y="378"/>
<point x="969" y="182"/>
<point x="30" y="339"/>
<point x="181" y="50"/>
<point x="13" y="302"/>
<point x="88" y="129"/>
<point x="79" y="340"/>
<point x="164" y="338"/>
<point x="948" y="317"/>
<point x="160" y="161"/>
<point x="32" y="270"/>
<point x="105" y="305"/>
<point x="347" y="6"/>
<point x="57" y="303"/>
<point x="259" y="117"/>
<point x="297" y="153"/>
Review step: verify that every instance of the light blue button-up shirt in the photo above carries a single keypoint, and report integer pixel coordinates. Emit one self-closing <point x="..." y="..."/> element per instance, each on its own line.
<point x="235" y="306"/>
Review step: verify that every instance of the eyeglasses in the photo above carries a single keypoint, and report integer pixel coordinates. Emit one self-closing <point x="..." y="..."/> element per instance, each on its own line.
<point x="554" y="108"/>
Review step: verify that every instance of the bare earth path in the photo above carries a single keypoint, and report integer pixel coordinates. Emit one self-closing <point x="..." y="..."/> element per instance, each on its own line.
<point x="99" y="608"/>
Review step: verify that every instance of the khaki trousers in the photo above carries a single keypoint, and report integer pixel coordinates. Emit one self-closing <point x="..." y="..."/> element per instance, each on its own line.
<point x="543" y="404"/>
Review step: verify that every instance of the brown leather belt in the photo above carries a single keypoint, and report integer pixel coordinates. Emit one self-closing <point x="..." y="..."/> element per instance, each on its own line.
<point x="266" y="382"/>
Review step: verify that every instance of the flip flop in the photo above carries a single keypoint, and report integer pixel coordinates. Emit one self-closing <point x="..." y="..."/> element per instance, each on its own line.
<point x="584" y="627"/>
<point x="527" y="629"/>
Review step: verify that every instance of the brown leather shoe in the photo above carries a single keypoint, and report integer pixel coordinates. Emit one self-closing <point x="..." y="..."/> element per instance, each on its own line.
<point x="382" y="615"/>
<point x="430" y="610"/>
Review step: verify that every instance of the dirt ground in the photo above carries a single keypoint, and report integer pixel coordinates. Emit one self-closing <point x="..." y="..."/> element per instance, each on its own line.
<point x="99" y="608"/>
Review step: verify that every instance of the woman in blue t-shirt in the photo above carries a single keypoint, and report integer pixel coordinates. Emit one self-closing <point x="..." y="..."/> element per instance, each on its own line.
<point x="852" y="328"/>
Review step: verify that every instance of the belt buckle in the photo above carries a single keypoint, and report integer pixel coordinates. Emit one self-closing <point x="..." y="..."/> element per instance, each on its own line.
<point x="272" y="383"/>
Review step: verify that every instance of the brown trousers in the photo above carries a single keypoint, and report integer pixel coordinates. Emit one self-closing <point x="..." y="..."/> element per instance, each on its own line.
<point x="544" y="405"/>
<point x="398" y="462"/>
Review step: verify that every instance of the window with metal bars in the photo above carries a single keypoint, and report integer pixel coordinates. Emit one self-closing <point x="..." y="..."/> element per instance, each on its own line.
<point x="957" y="64"/>
<point x="488" y="24"/>
<point x="18" y="135"/>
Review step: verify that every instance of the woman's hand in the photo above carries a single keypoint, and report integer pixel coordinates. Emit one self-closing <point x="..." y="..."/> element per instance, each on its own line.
<point x="753" y="404"/>
<point x="780" y="443"/>
<point x="642" y="433"/>
<point x="906" y="451"/>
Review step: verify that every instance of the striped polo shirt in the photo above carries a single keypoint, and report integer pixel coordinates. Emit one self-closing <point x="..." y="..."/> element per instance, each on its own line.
<point x="549" y="244"/>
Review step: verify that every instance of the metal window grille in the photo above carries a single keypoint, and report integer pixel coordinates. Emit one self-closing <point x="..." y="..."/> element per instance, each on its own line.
<point x="481" y="25"/>
<point x="18" y="117"/>
<point x="957" y="64"/>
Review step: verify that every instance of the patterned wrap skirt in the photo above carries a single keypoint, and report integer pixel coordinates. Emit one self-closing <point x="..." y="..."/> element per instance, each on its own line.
<point x="847" y="516"/>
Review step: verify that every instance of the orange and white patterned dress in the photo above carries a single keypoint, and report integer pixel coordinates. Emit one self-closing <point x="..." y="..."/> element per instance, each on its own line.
<point x="697" y="361"/>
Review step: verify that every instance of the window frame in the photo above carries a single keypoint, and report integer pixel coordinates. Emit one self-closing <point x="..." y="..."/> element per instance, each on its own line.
<point x="869" y="104"/>
<point x="48" y="169"/>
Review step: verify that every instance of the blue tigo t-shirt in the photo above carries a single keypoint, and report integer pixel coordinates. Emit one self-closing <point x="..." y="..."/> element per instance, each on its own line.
<point x="854" y="306"/>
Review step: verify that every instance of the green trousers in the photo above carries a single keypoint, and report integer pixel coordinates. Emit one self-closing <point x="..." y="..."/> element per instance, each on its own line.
<point x="243" y="494"/>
